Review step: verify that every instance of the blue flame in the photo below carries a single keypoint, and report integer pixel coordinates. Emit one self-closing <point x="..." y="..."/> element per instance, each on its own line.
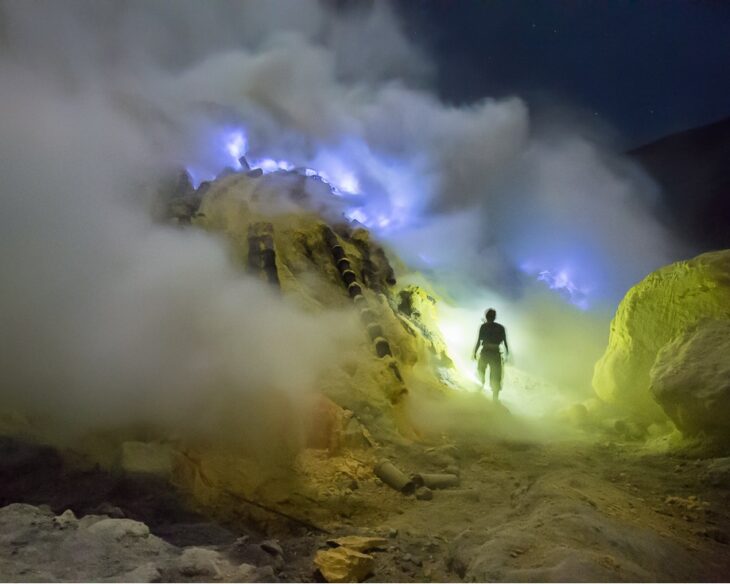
<point x="383" y="193"/>
<point x="269" y="165"/>
<point x="561" y="281"/>
<point x="342" y="180"/>
<point x="236" y="146"/>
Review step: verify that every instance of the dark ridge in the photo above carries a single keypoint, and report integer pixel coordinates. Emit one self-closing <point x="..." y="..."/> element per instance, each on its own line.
<point x="693" y="169"/>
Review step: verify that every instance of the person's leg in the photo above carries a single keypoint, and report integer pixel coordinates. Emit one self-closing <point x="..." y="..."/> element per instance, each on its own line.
<point x="482" y="367"/>
<point x="495" y="375"/>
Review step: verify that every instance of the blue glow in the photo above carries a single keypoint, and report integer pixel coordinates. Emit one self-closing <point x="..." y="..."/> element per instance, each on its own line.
<point x="349" y="183"/>
<point x="236" y="145"/>
<point x="386" y="194"/>
<point x="269" y="165"/>
<point x="356" y="215"/>
<point x="197" y="176"/>
<point x="561" y="282"/>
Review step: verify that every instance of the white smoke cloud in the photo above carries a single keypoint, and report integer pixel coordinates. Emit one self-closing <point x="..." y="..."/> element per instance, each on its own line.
<point x="108" y="317"/>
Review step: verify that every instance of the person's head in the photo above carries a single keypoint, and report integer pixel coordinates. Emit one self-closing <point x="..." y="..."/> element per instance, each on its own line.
<point x="490" y="314"/>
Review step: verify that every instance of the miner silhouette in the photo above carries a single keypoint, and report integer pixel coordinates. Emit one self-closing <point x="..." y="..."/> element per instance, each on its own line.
<point x="491" y="336"/>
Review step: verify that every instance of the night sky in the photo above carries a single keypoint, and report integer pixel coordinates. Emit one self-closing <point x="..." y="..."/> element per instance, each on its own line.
<point x="646" y="68"/>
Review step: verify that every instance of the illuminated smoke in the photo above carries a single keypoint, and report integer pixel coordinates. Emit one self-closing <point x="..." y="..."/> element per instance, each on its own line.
<point x="236" y="147"/>
<point x="395" y="196"/>
<point x="100" y="99"/>
<point x="562" y="283"/>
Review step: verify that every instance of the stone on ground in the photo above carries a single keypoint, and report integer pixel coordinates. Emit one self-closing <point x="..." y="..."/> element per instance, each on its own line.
<point x="119" y="528"/>
<point x="197" y="561"/>
<point x="690" y="379"/>
<point x="343" y="564"/>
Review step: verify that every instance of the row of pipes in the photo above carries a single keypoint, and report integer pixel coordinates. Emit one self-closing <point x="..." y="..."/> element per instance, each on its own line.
<point x="368" y="317"/>
<point x="354" y="290"/>
<point x="261" y="253"/>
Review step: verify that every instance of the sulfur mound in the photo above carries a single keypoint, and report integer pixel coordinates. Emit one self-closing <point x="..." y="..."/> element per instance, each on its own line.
<point x="660" y="308"/>
<point x="691" y="379"/>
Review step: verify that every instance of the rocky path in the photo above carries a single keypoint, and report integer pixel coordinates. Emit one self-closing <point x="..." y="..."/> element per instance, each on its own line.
<point x="561" y="512"/>
<point x="523" y="512"/>
<point x="567" y="512"/>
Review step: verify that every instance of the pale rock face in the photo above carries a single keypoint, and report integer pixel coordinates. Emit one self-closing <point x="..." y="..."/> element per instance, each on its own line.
<point x="38" y="546"/>
<point x="196" y="561"/>
<point x="690" y="379"/>
<point x="67" y="520"/>
<point x="119" y="528"/>
<point x="663" y="306"/>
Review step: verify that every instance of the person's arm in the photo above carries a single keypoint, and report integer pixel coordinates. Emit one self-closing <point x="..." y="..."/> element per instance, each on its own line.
<point x="479" y="342"/>
<point x="506" y="346"/>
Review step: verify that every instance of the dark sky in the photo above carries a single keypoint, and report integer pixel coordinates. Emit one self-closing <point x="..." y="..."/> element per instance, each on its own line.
<point x="645" y="67"/>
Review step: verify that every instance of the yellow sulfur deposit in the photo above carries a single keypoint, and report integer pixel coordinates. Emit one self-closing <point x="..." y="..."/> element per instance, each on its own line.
<point x="663" y="306"/>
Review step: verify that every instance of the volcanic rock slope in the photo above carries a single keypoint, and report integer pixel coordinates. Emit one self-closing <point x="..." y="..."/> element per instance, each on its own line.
<point x="287" y="230"/>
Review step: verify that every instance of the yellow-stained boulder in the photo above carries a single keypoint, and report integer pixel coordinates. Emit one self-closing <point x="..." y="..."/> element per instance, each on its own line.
<point x="691" y="379"/>
<point x="343" y="564"/>
<point x="663" y="306"/>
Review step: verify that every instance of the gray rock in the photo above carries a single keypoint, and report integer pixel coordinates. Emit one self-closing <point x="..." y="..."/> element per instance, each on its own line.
<point x="67" y="520"/>
<point x="37" y="546"/>
<point x="246" y="573"/>
<point x="271" y="546"/>
<point x="88" y="520"/>
<point x="197" y="561"/>
<point x="119" y="528"/>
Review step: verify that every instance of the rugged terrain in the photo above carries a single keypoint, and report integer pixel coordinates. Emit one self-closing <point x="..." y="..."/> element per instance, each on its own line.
<point x="601" y="510"/>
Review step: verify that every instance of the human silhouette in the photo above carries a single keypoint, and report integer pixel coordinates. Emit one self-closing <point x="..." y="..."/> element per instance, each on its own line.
<point x="491" y="336"/>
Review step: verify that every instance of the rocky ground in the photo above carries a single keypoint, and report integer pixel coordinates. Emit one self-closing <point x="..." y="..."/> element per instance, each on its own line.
<point x="588" y="510"/>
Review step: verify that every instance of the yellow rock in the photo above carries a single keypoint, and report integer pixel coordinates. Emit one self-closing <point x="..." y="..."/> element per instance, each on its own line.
<point x="664" y="305"/>
<point x="690" y="379"/>
<point x="359" y="543"/>
<point x="343" y="564"/>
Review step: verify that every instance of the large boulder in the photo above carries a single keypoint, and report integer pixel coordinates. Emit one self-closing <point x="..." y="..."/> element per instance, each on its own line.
<point x="690" y="379"/>
<point x="663" y="306"/>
